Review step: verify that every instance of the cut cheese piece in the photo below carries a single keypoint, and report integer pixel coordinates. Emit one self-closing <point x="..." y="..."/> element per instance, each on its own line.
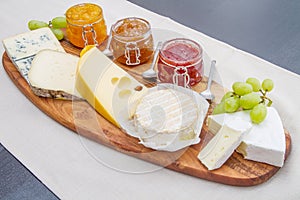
<point x="107" y="87"/>
<point x="265" y="142"/>
<point x="53" y="73"/>
<point x="30" y="43"/>
<point x="223" y="144"/>
<point x="22" y="48"/>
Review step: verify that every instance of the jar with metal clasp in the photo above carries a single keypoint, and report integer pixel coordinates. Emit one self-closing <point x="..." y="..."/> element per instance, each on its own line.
<point x="132" y="41"/>
<point x="180" y="62"/>
<point x="85" y="25"/>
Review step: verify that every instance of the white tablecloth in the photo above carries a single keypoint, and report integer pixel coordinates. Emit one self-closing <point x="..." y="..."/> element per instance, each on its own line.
<point x="67" y="165"/>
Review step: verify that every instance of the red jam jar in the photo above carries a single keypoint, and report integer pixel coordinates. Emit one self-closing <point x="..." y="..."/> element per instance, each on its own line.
<point x="180" y="62"/>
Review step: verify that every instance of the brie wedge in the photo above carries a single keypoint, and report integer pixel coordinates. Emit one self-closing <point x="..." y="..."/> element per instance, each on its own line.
<point x="107" y="87"/>
<point x="265" y="142"/>
<point x="223" y="144"/>
<point x="53" y="73"/>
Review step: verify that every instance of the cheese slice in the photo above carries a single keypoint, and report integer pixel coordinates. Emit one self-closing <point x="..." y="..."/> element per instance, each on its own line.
<point x="265" y="142"/>
<point x="53" y="73"/>
<point x="223" y="144"/>
<point x="107" y="87"/>
<point x="22" y="48"/>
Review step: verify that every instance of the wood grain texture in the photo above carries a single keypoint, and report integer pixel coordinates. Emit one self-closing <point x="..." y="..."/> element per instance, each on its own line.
<point x="80" y="117"/>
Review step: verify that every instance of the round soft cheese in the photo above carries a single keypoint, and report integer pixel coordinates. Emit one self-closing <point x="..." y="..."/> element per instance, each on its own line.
<point x="165" y="111"/>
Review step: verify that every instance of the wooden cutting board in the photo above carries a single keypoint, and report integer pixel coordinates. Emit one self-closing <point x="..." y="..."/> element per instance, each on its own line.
<point x="80" y="117"/>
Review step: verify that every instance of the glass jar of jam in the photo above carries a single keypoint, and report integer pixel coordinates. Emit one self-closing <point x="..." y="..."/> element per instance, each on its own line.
<point x="85" y="25"/>
<point x="132" y="41"/>
<point x="180" y="62"/>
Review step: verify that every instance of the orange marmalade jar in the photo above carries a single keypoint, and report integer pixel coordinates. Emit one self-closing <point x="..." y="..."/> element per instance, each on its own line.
<point x="132" y="41"/>
<point x="85" y="25"/>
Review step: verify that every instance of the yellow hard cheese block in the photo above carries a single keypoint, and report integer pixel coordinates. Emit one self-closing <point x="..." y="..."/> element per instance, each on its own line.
<point x="107" y="87"/>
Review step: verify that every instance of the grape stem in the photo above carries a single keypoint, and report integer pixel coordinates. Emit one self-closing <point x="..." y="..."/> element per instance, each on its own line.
<point x="235" y="95"/>
<point x="264" y="98"/>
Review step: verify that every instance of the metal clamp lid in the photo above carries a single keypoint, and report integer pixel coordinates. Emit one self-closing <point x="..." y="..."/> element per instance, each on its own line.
<point x="89" y="28"/>
<point x="131" y="48"/>
<point x="181" y="73"/>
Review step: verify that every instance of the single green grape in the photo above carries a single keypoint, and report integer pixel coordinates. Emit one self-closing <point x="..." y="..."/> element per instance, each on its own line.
<point x="267" y="85"/>
<point x="248" y="101"/>
<point x="231" y="104"/>
<point x="35" y="24"/>
<point x="219" y="108"/>
<point x="59" y="34"/>
<point x="59" y="22"/>
<point x="227" y="95"/>
<point x="255" y="83"/>
<point x="241" y="88"/>
<point x="258" y="113"/>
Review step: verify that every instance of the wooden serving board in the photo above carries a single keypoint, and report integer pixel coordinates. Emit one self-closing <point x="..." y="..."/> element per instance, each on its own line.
<point x="80" y="117"/>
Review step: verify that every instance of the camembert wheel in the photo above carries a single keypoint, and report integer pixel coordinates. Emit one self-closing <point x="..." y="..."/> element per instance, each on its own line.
<point x="163" y="114"/>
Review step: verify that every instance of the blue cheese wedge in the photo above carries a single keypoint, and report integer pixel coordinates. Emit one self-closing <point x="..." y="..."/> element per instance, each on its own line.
<point x="223" y="144"/>
<point x="53" y="73"/>
<point x="265" y="142"/>
<point x="22" y="48"/>
<point x="23" y="66"/>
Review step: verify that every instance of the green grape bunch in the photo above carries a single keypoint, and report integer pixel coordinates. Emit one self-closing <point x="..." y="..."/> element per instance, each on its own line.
<point x="56" y="25"/>
<point x="249" y="95"/>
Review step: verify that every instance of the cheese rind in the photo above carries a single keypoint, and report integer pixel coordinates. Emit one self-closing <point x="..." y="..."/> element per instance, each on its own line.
<point x="223" y="144"/>
<point x="165" y="111"/>
<point x="265" y="142"/>
<point x="162" y="114"/>
<point x="107" y="87"/>
<point x="178" y="136"/>
<point x="52" y="74"/>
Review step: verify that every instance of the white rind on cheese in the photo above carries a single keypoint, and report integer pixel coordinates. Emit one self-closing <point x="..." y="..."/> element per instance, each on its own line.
<point x="53" y="74"/>
<point x="223" y="144"/>
<point x="107" y="87"/>
<point x="22" y="48"/>
<point x="165" y="111"/>
<point x="173" y="138"/>
<point x="265" y="142"/>
<point x="162" y="114"/>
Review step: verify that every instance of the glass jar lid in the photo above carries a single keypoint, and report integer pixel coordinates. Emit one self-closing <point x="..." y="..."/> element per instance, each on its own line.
<point x="85" y="13"/>
<point x="181" y="52"/>
<point x="131" y="29"/>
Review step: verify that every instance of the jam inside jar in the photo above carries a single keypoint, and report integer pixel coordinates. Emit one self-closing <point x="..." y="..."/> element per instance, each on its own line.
<point x="180" y="62"/>
<point x="85" y="25"/>
<point x="132" y="41"/>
